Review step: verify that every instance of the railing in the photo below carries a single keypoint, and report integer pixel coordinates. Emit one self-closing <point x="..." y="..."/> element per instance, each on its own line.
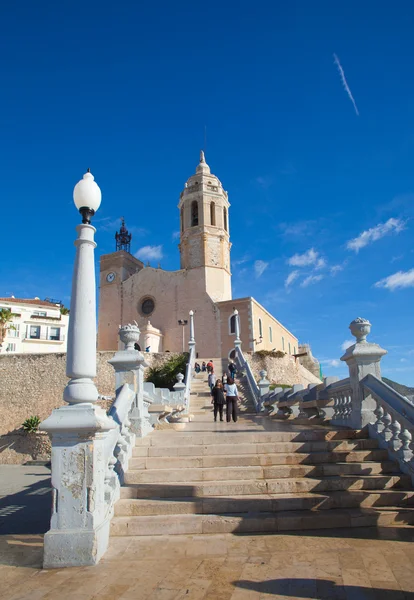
<point x="189" y="376"/>
<point x="244" y="366"/>
<point x="43" y="337"/>
<point x="392" y="423"/>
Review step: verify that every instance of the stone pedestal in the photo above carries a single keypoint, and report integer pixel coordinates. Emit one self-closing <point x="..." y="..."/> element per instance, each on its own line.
<point x="362" y="358"/>
<point x="79" y="528"/>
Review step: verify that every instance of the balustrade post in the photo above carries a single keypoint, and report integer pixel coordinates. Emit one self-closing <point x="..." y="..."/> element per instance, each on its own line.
<point x="180" y="386"/>
<point x="362" y="358"/>
<point x="237" y="341"/>
<point x="129" y="365"/>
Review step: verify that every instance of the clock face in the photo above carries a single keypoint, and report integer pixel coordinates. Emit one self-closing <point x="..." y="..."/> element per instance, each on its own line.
<point x="110" y="277"/>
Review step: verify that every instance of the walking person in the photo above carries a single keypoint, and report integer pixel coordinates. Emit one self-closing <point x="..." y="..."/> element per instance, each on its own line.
<point x="231" y="400"/>
<point x="211" y="380"/>
<point x="203" y="367"/>
<point x="197" y="368"/>
<point x="210" y="366"/>
<point x="232" y="369"/>
<point x="218" y="400"/>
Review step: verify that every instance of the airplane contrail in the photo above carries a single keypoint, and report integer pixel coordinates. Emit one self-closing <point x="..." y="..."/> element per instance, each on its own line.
<point x="345" y="84"/>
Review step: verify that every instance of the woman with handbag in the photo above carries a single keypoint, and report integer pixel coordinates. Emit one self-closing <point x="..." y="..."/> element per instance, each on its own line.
<point x="231" y="400"/>
<point x="218" y="400"/>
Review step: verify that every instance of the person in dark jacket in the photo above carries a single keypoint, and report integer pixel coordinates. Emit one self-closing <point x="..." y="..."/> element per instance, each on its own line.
<point x="218" y="399"/>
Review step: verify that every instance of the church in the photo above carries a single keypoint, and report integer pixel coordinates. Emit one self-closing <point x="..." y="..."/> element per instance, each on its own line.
<point x="160" y="301"/>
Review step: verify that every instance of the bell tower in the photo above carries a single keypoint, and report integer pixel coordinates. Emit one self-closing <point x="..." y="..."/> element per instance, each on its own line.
<point x="204" y="231"/>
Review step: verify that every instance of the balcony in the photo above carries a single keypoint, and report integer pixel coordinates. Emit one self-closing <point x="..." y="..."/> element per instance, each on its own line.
<point x="45" y="318"/>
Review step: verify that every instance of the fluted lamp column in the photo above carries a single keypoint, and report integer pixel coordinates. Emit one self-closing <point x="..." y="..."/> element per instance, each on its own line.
<point x="79" y="526"/>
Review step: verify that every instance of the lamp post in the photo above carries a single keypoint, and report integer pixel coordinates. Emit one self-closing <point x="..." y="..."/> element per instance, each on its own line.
<point x="183" y="323"/>
<point x="79" y="526"/>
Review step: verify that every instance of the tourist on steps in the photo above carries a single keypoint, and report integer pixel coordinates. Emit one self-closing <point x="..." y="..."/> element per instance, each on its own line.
<point x="197" y="368"/>
<point x="231" y="400"/>
<point x="210" y="366"/>
<point x="218" y="399"/>
<point x="211" y="380"/>
<point x="203" y="367"/>
<point x="232" y="369"/>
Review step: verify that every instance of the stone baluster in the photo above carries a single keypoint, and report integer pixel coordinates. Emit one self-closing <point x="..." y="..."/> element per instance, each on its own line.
<point x="180" y="386"/>
<point x="362" y="358"/>
<point x="379" y="413"/>
<point x="387" y="420"/>
<point x="406" y="452"/>
<point x="395" y="442"/>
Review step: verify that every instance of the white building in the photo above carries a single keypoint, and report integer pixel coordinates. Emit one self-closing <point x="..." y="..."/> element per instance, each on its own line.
<point x="39" y="327"/>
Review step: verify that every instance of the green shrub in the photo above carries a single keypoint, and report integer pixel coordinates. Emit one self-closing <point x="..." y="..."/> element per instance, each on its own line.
<point x="31" y="424"/>
<point x="273" y="354"/>
<point x="165" y="376"/>
<point x="272" y="386"/>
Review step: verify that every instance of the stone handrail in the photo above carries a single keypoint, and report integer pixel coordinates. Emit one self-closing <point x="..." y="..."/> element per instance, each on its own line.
<point x="189" y="376"/>
<point x="118" y="445"/>
<point x="244" y="366"/>
<point x="392" y="422"/>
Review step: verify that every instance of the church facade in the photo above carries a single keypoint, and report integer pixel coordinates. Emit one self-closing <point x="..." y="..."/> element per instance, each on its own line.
<point x="160" y="300"/>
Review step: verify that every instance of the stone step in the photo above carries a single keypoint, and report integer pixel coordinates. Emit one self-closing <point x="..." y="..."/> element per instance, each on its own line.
<point x="259" y="437"/>
<point x="258" y="472"/>
<point x="260" y="448"/>
<point x="179" y="489"/>
<point x="264" y="503"/>
<point x="261" y="522"/>
<point x="250" y="460"/>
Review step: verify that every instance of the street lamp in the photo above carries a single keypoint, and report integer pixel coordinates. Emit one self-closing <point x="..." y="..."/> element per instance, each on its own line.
<point x="183" y="322"/>
<point x="81" y="349"/>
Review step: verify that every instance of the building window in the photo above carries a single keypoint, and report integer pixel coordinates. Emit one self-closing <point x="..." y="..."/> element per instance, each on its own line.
<point x="294" y="349"/>
<point x="212" y="213"/>
<point x="11" y="347"/>
<point x="270" y="335"/>
<point x="289" y="348"/>
<point x="54" y="334"/>
<point x="146" y="306"/>
<point x="283" y="344"/>
<point x="260" y="328"/>
<point x="40" y="313"/>
<point x="233" y="324"/>
<point x="225" y="218"/>
<point x="194" y="213"/>
<point x="34" y="332"/>
<point x="15" y="333"/>
<point x="182" y="219"/>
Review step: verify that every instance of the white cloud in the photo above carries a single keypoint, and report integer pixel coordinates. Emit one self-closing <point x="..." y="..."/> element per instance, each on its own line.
<point x="403" y="360"/>
<point x="149" y="253"/>
<point x="291" y="278"/>
<point x="175" y="235"/>
<point x="332" y="362"/>
<point x="336" y="269"/>
<point x="310" y="257"/>
<point x="402" y="279"/>
<point x="311" y="279"/>
<point x="260" y="267"/>
<point x="375" y="233"/>
<point x="320" y="263"/>
<point x="346" y="344"/>
<point x="264" y="182"/>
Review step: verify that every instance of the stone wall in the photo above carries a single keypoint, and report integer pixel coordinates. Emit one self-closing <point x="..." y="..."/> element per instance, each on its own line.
<point x="32" y="384"/>
<point x="284" y="370"/>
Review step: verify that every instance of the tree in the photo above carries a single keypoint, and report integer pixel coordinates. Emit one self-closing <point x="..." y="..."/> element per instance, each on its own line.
<point x="6" y="318"/>
<point x="64" y="310"/>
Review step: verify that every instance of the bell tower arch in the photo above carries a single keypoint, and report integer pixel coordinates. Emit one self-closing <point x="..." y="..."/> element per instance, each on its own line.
<point x="204" y="231"/>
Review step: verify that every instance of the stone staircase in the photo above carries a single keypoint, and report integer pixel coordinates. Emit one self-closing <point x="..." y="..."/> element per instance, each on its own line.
<point x="257" y="475"/>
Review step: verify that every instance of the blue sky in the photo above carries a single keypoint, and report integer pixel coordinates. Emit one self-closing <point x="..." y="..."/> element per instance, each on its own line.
<point x="128" y="90"/>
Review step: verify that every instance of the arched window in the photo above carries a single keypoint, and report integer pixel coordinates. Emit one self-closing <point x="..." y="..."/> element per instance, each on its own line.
<point x="233" y="324"/>
<point x="260" y="328"/>
<point x="194" y="213"/>
<point x="182" y="219"/>
<point x="289" y="348"/>
<point x="270" y="335"/>
<point x="283" y="344"/>
<point x="225" y="218"/>
<point x="212" y="213"/>
<point x="294" y="349"/>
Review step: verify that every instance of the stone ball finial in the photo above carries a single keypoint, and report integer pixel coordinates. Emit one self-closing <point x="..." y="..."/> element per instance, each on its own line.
<point x="235" y="311"/>
<point x="360" y="328"/>
<point x="191" y="313"/>
<point x="263" y="373"/>
<point x="180" y="377"/>
<point x="129" y="335"/>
